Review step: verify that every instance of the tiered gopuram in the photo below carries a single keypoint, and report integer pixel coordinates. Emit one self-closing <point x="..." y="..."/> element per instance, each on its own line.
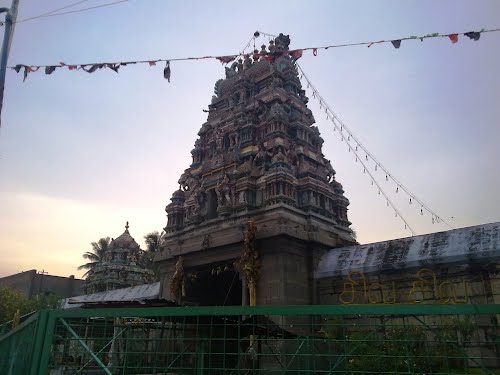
<point x="258" y="157"/>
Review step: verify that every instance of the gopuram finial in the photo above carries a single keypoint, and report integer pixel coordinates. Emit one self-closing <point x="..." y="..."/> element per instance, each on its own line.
<point x="126" y="226"/>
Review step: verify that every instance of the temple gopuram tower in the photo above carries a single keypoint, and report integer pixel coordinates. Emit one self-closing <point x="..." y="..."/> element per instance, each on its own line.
<point x="122" y="266"/>
<point x="258" y="158"/>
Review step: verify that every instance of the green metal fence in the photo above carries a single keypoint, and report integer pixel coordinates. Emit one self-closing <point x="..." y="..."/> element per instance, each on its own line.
<point x="17" y="344"/>
<point x="234" y="340"/>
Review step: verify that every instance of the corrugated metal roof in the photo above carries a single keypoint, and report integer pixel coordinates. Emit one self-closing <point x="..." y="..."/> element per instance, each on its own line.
<point x="139" y="293"/>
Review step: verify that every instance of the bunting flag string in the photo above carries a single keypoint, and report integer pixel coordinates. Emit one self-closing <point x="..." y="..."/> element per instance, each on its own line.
<point x="357" y="148"/>
<point x="226" y="59"/>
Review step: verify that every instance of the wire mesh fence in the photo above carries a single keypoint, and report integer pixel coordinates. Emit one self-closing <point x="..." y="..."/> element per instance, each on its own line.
<point x="377" y="339"/>
<point x="16" y="345"/>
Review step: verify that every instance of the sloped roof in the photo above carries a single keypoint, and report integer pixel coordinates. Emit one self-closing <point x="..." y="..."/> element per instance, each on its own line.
<point x="478" y="244"/>
<point x="139" y="293"/>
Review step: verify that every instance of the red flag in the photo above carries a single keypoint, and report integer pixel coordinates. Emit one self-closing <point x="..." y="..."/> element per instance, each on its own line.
<point x="151" y="63"/>
<point x="70" y="67"/>
<point x="296" y="54"/>
<point x="225" y="59"/>
<point x="453" y="38"/>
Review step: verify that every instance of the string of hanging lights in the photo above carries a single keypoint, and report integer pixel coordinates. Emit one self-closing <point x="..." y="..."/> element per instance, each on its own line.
<point x="358" y="149"/>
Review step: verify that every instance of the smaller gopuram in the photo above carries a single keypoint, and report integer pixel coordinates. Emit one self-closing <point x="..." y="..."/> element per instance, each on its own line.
<point x="122" y="266"/>
<point x="258" y="159"/>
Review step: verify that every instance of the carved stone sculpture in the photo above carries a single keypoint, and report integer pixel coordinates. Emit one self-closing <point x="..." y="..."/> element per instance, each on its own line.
<point x="199" y="200"/>
<point x="223" y="191"/>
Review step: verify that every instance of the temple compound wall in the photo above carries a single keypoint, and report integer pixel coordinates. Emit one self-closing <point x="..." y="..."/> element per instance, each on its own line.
<point x="456" y="266"/>
<point x="459" y="266"/>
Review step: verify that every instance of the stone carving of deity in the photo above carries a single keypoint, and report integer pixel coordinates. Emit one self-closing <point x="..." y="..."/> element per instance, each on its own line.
<point x="279" y="156"/>
<point x="281" y="43"/>
<point x="188" y="183"/>
<point x="133" y="259"/>
<point x="219" y="139"/>
<point x="183" y="185"/>
<point x="292" y="156"/>
<point x="247" y="63"/>
<point x="234" y="140"/>
<point x="261" y="157"/>
<point x="199" y="200"/>
<point x="242" y="197"/>
<point x="330" y="172"/>
<point x="223" y="191"/>
<point x="197" y="152"/>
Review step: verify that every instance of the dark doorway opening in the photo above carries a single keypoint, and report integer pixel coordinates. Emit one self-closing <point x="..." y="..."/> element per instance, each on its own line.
<point x="218" y="286"/>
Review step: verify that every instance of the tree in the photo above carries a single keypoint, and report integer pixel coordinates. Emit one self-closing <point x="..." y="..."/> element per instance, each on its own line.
<point x="10" y="301"/>
<point x="153" y="245"/>
<point x="153" y="242"/>
<point x="14" y="303"/>
<point x="95" y="256"/>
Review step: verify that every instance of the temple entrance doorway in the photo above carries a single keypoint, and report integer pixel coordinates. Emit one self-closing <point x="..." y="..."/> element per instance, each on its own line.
<point x="218" y="285"/>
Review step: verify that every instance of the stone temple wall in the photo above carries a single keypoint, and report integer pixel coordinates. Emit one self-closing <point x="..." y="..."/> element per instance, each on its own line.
<point x="454" y="267"/>
<point x="457" y="266"/>
<point x="444" y="284"/>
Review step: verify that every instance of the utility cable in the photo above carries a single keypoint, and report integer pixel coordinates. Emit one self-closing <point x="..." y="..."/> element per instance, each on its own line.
<point x="340" y="126"/>
<point x="53" y="13"/>
<point x="230" y="57"/>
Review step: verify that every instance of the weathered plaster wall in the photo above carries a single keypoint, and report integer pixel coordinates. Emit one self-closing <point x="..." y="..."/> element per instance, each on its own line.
<point x="31" y="283"/>
<point x="457" y="266"/>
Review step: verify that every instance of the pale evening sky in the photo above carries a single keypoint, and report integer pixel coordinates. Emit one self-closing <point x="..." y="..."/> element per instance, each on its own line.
<point x="82" y="153"/>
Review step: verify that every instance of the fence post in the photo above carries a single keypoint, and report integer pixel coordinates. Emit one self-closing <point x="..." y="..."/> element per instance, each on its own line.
<point x="36" y="353"/>
<point x="44" y="349"/>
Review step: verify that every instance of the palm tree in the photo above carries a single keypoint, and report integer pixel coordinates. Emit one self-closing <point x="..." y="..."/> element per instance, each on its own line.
<point x="95" y="256"/>
<point x="153" y="245"/>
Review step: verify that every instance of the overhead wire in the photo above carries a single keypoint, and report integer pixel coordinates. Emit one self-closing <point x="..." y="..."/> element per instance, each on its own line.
<point x="54" y="14"/>
<point x="248" y="45"/>
<point x="369" y="155"/>
<point x="53" y="11"/>
<point x="358" y="158"/>
<point x="382" y="41"/>
<point x="330" y="112"/>
<point x="228" y="55"/>
<point x="365" y="168"/>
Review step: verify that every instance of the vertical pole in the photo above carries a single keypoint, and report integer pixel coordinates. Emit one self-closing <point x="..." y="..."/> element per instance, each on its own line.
<point x="10" y="22"/>
<point x="38" y="338"/>
<point x="47" y="342"/>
